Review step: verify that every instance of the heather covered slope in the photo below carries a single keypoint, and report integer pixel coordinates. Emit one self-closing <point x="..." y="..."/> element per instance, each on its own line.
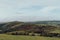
<point x="28" y="27"/>
<point x="8" y="25"/>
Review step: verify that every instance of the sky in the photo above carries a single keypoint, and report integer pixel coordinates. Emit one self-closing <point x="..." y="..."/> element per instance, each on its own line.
<point x="29" y="10"/>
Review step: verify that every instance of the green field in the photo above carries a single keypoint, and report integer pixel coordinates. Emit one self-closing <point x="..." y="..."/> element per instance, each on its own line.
<point x="14" y="37"/>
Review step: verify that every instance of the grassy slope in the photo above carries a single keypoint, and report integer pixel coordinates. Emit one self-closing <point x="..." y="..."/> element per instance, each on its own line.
<point x="11" y="37"/>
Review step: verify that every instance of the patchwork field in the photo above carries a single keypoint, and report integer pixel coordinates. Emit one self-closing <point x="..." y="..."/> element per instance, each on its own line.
<point x="13" y="37"/>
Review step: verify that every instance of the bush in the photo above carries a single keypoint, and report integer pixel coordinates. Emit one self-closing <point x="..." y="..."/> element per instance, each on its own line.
<point x="31" y="34"/>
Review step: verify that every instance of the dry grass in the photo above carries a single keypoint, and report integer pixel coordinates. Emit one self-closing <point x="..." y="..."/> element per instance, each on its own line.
<point x="14" y="37"/>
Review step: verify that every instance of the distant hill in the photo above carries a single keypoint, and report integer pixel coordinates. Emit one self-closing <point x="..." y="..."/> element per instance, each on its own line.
<point x="8" y="25"/>
<point x="19" y="26"/>
<point x="45" y="22"/>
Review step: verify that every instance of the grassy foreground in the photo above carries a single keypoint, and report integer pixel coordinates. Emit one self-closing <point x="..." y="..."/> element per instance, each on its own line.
<point x="11" y="37"/>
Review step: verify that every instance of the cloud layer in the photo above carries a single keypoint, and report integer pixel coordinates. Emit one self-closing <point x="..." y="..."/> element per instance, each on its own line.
<point x="29" y="10"/>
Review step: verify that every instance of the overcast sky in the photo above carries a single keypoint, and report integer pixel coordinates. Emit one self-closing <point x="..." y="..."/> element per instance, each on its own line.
<point x="29" y="10"/>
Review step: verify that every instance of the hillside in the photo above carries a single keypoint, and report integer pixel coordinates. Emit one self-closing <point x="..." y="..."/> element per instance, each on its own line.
<point x="8" y="25"/>
<point x="41" y="27"/>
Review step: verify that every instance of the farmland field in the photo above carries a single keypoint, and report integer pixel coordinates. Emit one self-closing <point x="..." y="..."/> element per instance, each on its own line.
<point x="14" y="37"/>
